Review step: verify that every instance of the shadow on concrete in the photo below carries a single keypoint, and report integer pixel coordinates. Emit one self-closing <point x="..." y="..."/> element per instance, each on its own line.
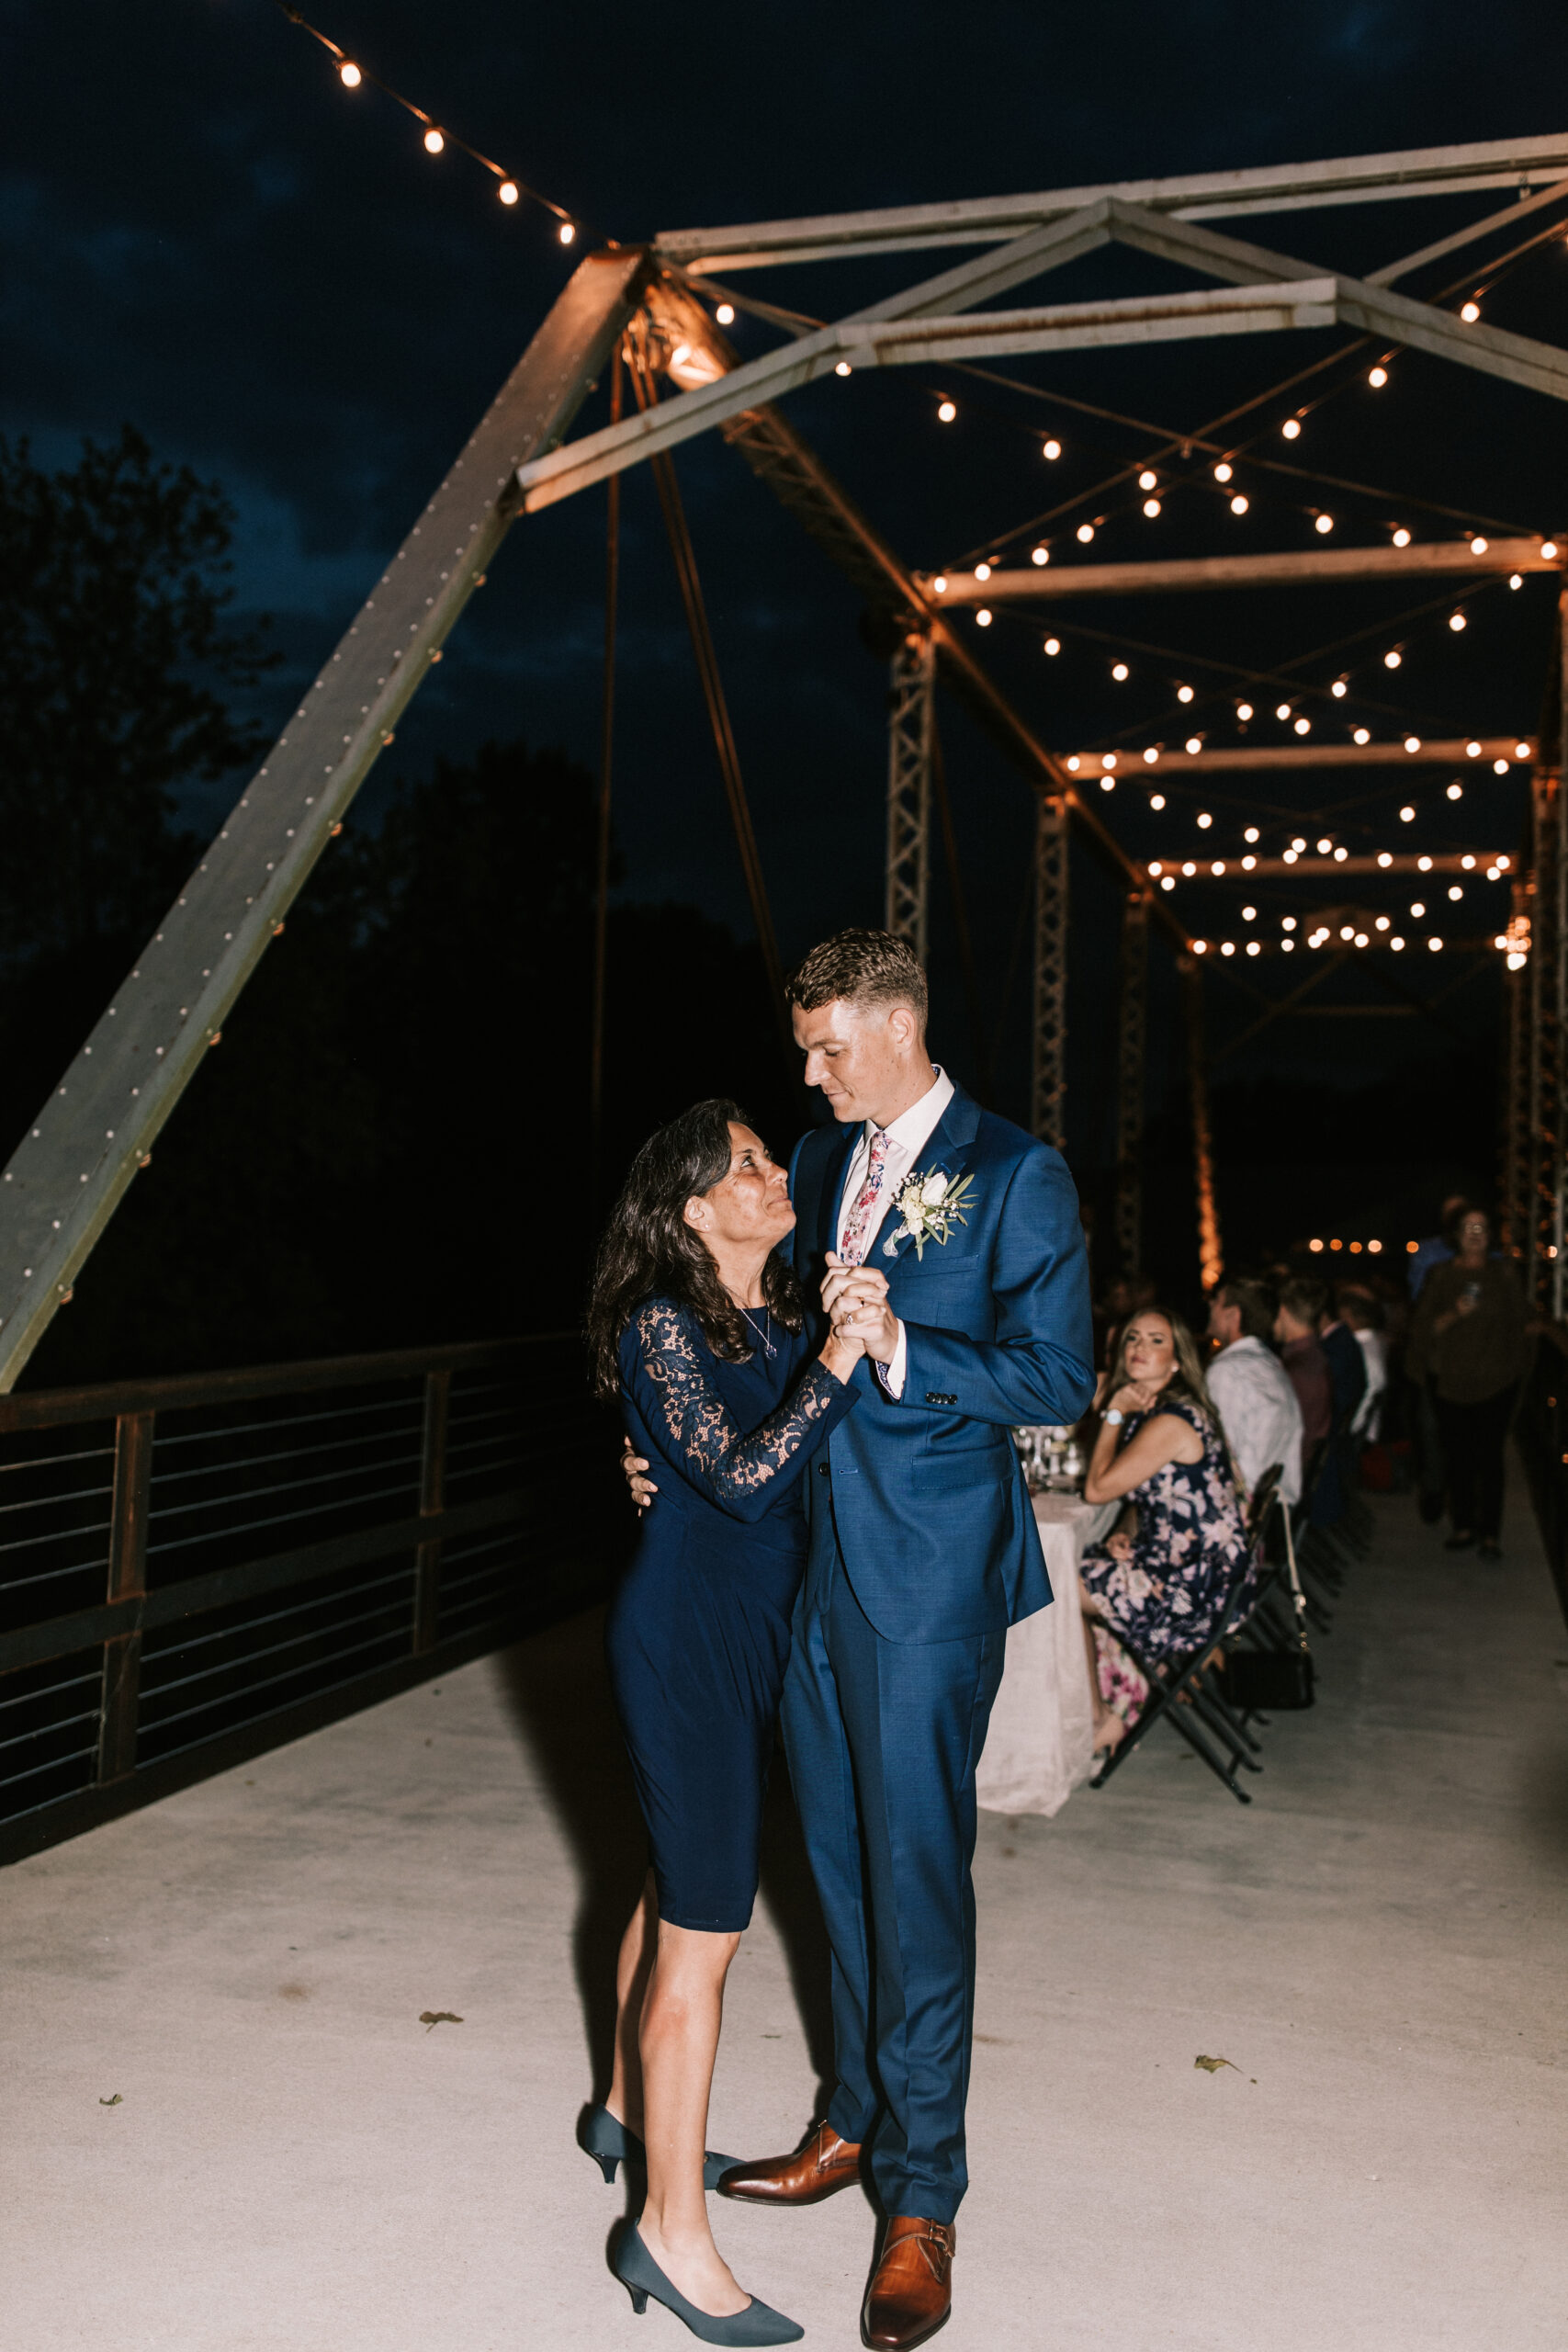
<point x="558" y="1688"/>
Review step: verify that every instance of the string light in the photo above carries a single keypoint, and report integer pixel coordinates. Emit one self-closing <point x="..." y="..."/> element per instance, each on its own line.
<point x="1194" y="743"/>
<point x="1249" y="914"/>
<point x="1548" y="550"/>
<point x="1085" y="533"/>
<point x="1407" y="816"/>
<point x="1222" y="472"/>
<point x="1303" y="726"/>
<point x="725" y="314"/>
<point x="1470" y="312"/>
<point x="508" y="191"/>
<point x="1053" y="645"/>
<point x="1362" y="735"/>
<point x="1435" y="945"/>
<point x="982" y="617"/>
<point x="1377" y="378"/>
<point x="349" y="75"/>
<point x="1413" y="743"/>
<point x="1478" y="547"/>
<point x="1292" y="428"/>
<point x="1515" y="581"/>
<point x="1250" y="835"/>
<point x="1053" y="450"/>
<point x="1288" y="923"/>
<point x="1244" y="711"/>
<point x="1416" y="911"/>
<point x="1156" y="800"/>
<point x="1456" y="792"/>
<point x="1147" y="480"/>
<point x="1456" y="891"/>
<point x="1402" y="537"/>
<point x="946" y="412"/>
<point x="1150" y="756"/>
<point x="1456" y="621"/>
<point x="1499" y="767"/>
<point x="1204" y="821"/>
<point x="939" y="583"/>
<point x="1282" y="710"/>
<point x="1238" y="504"/>
<point x="434" y="140"/>
<point x="1325" y="523"/>
<point x="1340" y="689"/>
<point x="1521" y="751"/>
<point x="1151" y="507"/>
<point x="1183" y="693"/>
<point x="843" y="368"/>
<point x="982" y="571"/>
<point x="1397" y="945"/>
<point x="1472" y="750"/>
<point x="1392" y="659"/>
<point x="1041" y="555"/>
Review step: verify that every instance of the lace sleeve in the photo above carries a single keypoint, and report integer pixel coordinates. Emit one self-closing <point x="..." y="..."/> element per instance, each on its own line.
<point x="740" y="1471"/>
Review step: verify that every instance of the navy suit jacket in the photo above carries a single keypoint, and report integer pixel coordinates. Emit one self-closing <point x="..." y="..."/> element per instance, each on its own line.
<point x="932" y="1515"/>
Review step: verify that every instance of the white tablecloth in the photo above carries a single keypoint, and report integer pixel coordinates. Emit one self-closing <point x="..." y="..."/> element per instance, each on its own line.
<point x="1040" y="1746"/>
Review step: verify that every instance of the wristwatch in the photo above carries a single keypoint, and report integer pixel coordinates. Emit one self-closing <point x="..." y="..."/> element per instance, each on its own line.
<point x="1114" y="1420"/>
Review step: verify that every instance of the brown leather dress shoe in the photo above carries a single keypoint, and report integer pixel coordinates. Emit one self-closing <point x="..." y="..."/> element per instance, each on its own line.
<point x="823" y="2163"/>
<point x="910" y="2293"/>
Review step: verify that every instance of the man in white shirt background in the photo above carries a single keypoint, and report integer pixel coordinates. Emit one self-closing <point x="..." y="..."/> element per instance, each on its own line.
<point x="1252" y="1389"/>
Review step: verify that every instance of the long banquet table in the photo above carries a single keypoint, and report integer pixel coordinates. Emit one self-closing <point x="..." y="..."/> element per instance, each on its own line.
<point x="1040" y="1746"/>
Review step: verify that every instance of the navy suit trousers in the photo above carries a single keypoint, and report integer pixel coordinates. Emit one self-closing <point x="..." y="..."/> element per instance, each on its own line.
<point x="883" y="1738"/>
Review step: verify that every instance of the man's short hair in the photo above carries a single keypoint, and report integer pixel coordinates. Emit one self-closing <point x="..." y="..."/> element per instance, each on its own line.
<point x="861" y="967"/>
<point x="1256" y="1305"/>
<point x="1302" y="1299"/>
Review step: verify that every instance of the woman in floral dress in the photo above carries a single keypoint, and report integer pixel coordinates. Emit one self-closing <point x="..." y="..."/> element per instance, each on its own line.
<point x="1162" y="1588"/>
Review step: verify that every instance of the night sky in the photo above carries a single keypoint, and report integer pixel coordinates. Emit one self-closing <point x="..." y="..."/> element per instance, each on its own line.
<point x="206" y="235"/>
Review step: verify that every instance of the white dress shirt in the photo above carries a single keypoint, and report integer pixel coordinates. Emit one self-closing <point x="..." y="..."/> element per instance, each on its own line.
<point x="1367" y="1422"/>
<point x="1258" y="1405"/>
<point x="907" y="1137"/>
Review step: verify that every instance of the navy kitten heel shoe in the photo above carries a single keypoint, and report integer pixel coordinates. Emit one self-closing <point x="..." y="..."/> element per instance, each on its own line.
<point x="606" y="2138"/>
<point x="641" y="2277"/>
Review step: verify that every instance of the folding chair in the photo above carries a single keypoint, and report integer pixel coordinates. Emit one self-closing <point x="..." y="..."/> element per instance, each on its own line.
<point x="1185" y="1678"/>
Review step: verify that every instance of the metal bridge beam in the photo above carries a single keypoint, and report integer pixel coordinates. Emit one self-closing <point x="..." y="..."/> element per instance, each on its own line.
<point x="910" y="789"/>
<point x="1049" y="1077"/>
<point x="1052" y="584"/>
<point x="73" y="1167"/>
<point x="1131" y="1051"/>
<point x="1210" y="1256"/>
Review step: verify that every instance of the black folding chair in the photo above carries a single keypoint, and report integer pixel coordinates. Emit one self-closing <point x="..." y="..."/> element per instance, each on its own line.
<point x="1185" y="1680"/>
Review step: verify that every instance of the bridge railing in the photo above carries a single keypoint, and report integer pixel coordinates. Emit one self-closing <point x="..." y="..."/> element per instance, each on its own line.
<point x="194" y="1569"/>
<point x="1540" y="1431"/>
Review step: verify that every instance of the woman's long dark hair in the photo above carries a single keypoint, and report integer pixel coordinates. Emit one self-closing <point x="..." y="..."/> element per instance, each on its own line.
<point x="649" y="1251"/>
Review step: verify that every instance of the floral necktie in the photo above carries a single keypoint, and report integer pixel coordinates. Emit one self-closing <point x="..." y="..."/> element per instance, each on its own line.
<point x="851" y="1249"/>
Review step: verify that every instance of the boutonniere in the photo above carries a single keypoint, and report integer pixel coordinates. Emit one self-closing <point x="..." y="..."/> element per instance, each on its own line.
<point x="929" y="1209"/>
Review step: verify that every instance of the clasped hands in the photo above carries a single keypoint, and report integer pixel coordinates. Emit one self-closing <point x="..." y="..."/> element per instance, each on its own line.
<point x="854" y="1299"/>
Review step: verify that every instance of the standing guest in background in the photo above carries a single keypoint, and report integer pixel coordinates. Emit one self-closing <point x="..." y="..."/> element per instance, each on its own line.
<point x="1430" y="1479"/>
<point x="1437" y="1248"/>
<point x="1467" y="1342"/>
<point x="1252" y="1389"/>
<point x="1295" y="1329"/>
<point x="1361" y="1315"/>
<point x="1347" y="1383"/>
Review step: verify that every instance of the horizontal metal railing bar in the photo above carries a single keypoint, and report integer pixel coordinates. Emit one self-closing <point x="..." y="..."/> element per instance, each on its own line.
<point x="31" y="1542"/>
<point x="47" y="1689"/>
<point x="194" y="1596"/>
<point x="153" y="1719"/>
<point x="279" y="1486"/>
<point x="153" y="1687"/>
<point x="287" y="1421"/>
<point x="282" y="1453"/>
<point x="62" y="1408"/>
<point x="47" y="1575"/>
<point x="55" y="1764"/>
<point x="46" y="1731"/>
<point x="277" y="1518"/>
<point x="65" y="1495"/>
<point x="292" y="1674"/>
<point x="49" y="1461"/>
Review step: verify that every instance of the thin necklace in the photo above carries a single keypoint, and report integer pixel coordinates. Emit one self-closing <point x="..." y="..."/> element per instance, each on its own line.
<point x="758" y="1328"/>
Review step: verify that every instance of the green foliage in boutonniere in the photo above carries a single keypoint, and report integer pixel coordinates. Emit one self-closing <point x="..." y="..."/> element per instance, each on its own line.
<point x="928" y="1207"/>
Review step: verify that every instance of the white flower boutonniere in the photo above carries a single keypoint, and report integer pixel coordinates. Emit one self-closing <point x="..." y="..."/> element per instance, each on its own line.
<point x="929" y="1209"/>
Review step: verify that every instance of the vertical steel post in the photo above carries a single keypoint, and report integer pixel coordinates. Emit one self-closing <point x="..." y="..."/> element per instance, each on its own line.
<point x="1544" y="1095"/>
<point x="1557" y="1268"/>
<point x="910" y="790"/>
<point x="1132" y="1032"/>
<point x="432" y="1500"/>
<point x="1049" y="1088"/>
<point x="1516" y="1211"/>
<point x="127" y="1581"/>
<point x="1211" y="1258"/>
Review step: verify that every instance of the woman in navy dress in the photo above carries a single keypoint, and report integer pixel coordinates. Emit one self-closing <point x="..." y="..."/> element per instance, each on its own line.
<point x="699" y="1327"/>
<point x="1160" y="1446"/>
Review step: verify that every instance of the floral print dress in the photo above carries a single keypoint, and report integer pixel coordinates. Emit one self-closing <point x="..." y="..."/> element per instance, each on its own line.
<point x="1168" y="1599"/>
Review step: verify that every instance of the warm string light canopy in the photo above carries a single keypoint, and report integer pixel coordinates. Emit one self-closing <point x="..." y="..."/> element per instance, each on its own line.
<point x="436" y="139"/>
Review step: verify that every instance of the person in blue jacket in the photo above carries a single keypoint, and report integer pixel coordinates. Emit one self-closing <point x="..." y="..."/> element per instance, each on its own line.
<point x="697" y="1323"/>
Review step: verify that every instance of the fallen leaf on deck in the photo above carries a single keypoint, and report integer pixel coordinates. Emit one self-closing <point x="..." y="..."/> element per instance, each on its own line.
<point x="1213" y="2066"/>
<point x="429" y="2017"/>
<point x="116" y="2101"/>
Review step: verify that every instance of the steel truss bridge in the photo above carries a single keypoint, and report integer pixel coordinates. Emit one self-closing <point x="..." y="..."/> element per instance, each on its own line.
<point x="652" y="307"/>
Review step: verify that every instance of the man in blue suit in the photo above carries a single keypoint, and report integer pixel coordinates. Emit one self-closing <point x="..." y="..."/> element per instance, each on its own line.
<point x="923" y="1551"/>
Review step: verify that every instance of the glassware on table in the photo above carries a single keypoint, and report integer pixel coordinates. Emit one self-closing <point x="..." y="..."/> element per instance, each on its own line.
<point x="1052" y="1458"/>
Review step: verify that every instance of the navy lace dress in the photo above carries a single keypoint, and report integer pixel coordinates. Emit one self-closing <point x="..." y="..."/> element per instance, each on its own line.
<point x="699" y="1630"/>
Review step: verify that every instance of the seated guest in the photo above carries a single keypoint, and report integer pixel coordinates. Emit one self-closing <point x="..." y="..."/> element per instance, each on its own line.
<point x="1362" y="1315"/>
<point x="1252" y="1388"/>
<point x="1161" y="1590"/>
<point x="1295" y="1329"/>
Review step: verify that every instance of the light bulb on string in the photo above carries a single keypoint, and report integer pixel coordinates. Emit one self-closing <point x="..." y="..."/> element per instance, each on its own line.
<point x="1340" y="689"/>
<point x="349" y="75"/>
<point x="1184" y="694"/>
<point x="1119" y="672"/>
<point x="1325" y="523"/>
<point x="1041" y="555"/>
<point x="1194" y="745"/>
<point x="982" y="571"/>
<point x="1456" y="621"/>
<point x="725" y="314"/>
<point x="566" y="232"/>
<point x="1085" y="533"/>
<point x="982" y="617"/>
<point x="1051" y="450"/>
<point x="508" y="191"/>
<point x="1402" y="537"/>
<point x="1362" y="735"/>
<point x="1470" y="312"/>
<point x="1499" y="767"/>
<point x="1521" y="751"/>
<point x="1151" y="755"/>
<point x="1392" y="659"/>
<point x="939" y="583"/>
<point x="1238" y="503"/>
<point x="1292" y="428"/>
<point x="1204" y="821"/>
<point x="1053" y="645"/>
<point x="1413" y="743"/>
<point x="1282" y="710"/>
<point x="1478" y="547"/>
<point x="1244" y="711"/>
<point x="1303" y="727"/>
<point x="434" y="141"/>
<point x="1151" y="507"/>
<point x="1407" y="816"/>
<point x="1456" y="792"/>
<point x="946" y="411"/>
<point x="1223" y="472"/>
<point x="1548" y="550"/>
<point x="1472" y="750"/>
<point x="1377" y="378"/>
<point x="843" y="368"/>
<point x="1515" y="581"/>
<point x="1156" y="800"/>
<point x="1148" y="480"/>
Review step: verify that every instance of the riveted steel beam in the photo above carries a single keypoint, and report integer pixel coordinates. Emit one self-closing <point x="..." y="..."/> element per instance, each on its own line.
<point x="79" y="1156"/>
<point x="909" y="718"/>
<point x="1049" y="1087"/>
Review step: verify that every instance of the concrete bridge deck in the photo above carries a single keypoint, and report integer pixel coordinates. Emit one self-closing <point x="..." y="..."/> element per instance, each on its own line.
<point x="296" y="2165"/>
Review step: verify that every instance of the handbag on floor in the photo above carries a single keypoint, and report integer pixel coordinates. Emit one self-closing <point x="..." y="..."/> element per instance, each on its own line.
<point x="1271" y="1682"/>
